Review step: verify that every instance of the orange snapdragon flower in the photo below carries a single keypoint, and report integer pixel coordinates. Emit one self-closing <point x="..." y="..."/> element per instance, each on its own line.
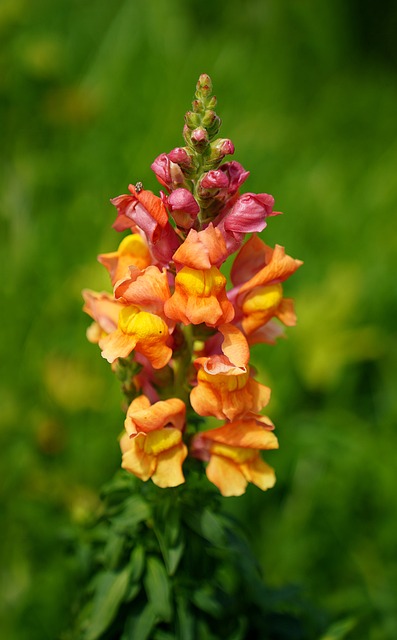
<point x="233" y="452"/>
<point x="132" y="250"/>
<point x="141" y="322"/>
<point x="148" y="289"/>
<point x="225" y="388"/>
<point x="202" y="249"/>
<point x="257" y="274"/>
<point x="200" y="296"/>
<point x="151" y="447"/>
<point x="139" y="330"/>
<point x="145" y="417"/>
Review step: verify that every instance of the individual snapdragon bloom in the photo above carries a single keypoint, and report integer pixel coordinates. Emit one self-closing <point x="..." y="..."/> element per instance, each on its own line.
<point x="133" y="321"/>
<point x="246" y="215"/>
<point x="225" y="388"/>
<point x="141" y="322"/>
<point x="199" y="297"/>
<point x="144" y="211"/>
<point x="233" y="455"/>
<point x="200" y="288"/>
<point x="257" y="273"/>
<point x="152" y="445"/>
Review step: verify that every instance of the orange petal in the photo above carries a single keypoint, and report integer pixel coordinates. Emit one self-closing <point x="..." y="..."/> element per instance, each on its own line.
<point x="117" y="345"/>
<point x="242" y="433"/>
<point x="234" y="345"/>
<point x="286" y="312"/>
<point x="252" y="257"/>
<point x="202" y="249"/>
<point x="135" y="460"/>
<point x="267" y="333"/>
<point x="147" y="417"/>
<point x="278" y="269"/>
<point x="153" y="204"/>
<point x="103" y="308"/>
<point x="226" y="475"/>
<point x="147" y="289"/>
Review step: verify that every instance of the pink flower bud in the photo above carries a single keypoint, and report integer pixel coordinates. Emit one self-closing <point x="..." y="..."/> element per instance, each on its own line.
<point x="168" y="173"/>
<point x="215" y="180"/>
<point x="180" y="156"/>
<point x="183" y="208"/>
<point x="161" y="167"/>
<point x="199" y="136"/>
<point x="222" y="147"/>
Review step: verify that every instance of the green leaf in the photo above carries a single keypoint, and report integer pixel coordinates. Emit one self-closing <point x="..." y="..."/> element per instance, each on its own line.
<point x="158" y="588"/>
<point x="159" y="634"/>
<point x="132" y="592"/>
<point x="205" y="599"/>
<point x="113" y="550"/>
<point x="208" y="525"/>
<point x="135" y="510"/>
<point x="173" y="556"/>
<point x="212" y="527"/>
<point x="137" y="563"/>
<point x="185" y="620"/>
<point x="108" y="598"/>
<point x="171" y="553"/>
<point x="140" y="625"/>
<point x="172" y="527"/>
<point x="340" y="629"/>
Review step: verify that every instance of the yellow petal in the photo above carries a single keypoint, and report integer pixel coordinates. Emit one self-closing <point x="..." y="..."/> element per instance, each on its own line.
<point x="158" y="441"/>
<point x="226" y="475"/>
<point x="136" y="460"/>
<point x="168" y="471"/>
<point x="263" y="298"/>
<point x="237" y="454"/>
<point x="259" y="473"/>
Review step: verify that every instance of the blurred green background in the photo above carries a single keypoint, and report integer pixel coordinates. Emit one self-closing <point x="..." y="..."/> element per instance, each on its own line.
<point x="91" y="92"/>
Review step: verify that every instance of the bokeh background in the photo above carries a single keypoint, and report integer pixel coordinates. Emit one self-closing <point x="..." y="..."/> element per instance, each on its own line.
<point x="91" y="92"/>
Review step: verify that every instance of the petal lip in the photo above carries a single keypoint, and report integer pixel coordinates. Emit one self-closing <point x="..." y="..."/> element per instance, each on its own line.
<point x="242" y="433"/>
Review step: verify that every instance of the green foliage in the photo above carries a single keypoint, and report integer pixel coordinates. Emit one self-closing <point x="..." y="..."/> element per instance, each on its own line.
<point x="140" y="588"/>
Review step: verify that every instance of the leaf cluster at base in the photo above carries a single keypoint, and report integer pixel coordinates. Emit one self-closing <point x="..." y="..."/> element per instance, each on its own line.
<point x="168" y="564"/>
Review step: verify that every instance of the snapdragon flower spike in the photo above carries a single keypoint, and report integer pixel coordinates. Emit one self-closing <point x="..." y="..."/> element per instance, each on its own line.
<point x="177" y="335"/>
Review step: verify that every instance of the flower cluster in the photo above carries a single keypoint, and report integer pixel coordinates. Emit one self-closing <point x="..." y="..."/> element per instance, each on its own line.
<point x="175" y="333"/>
